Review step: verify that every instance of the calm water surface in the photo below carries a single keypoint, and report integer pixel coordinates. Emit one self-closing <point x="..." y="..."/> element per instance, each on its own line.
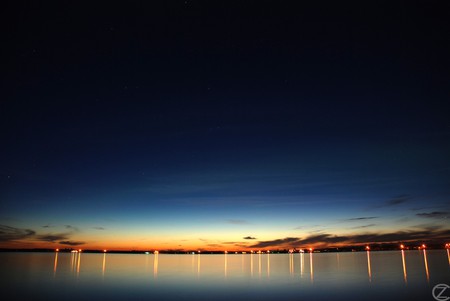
<point x="393" y="275"/>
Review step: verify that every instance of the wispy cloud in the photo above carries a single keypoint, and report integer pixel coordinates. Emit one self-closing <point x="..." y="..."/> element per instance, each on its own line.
<point x="393" y="202"/>
<point x="98" y="228"/>
<point x="52" y="237"/>
<point x="70" y="227"/>
<point x="276" y="242"/>
<point x="435" y="214"/>
<point x="249" y="237"/>
<point x="330" y="239"/>
<point x="398" y="200"/>
<point x="361" y="218"/>
<point x="71" y="242"/>
<point x="364" y="226"/>
<point x="8" y="233"/>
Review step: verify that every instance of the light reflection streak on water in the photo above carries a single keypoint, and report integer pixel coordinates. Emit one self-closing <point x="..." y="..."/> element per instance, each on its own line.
<point x="78" y="263"/>
<point x="291" y="264"/>
<point x="72" y="261"/>
<point x="75" y="261"/>
<point x="56" y="264"/>
<point x="251" y="265"/>
<point x="146" y="262"/>
<point x="155" y="265"/>
<point x="369" y="270"/>
<point x="126" y="269"/>
<point x="404" y="267"/>
<point x="337" y="256"/>
<point x="448" y="256"/>
<point x="259" y="265"/>
<point x="426" y="264"/>
<point x="302" y="264"/>
<point x="226" y="255"/>
<point x="104" y="265"/>
<point x="198" y="265"/>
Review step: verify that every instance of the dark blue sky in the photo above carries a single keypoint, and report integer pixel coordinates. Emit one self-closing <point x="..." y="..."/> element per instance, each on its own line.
<point x="196" y="124"/>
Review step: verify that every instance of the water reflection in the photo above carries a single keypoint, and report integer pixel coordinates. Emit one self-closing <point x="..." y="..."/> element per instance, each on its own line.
<point x="75" y="262"/>
<point x="343" y="270"/>
<point x="426" y="264"/>
<point x="104" y="265"/>
<point x="198" y="265"/>
<point x="226" y="263"/>
<point x="259" y="264"/>
<point x="448" y="256"/>
<point x="291" y="264"/>
<point x="404" y="267"/>
<point x="251" y="264"/>
<point x="56" y="264"/>
<point x="302" y="263"/>
<point x="78" y="263"/>
<point x="155" y="265"/>
<point x="369" y="270"/>
<point x="72" y="261"/>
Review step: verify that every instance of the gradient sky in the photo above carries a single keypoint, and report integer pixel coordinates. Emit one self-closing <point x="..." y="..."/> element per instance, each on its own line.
<point x="218" y="125"/>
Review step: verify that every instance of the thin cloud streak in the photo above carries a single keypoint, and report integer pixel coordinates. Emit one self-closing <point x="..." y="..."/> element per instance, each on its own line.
<point x="8" y="234"/>
<point x="330" y="239"/>
<point x="361" y="218"/>
<point x="434" y="214"/>
<point x="364" y="226"/>
<point x="72" y="243"/>
<point x="398" y="200"/>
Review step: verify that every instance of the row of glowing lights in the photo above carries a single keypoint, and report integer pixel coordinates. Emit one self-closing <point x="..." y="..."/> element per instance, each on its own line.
<point x="423" y="247"/>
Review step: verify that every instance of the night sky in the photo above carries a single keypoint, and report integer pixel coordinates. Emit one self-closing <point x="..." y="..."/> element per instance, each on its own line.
<point x="222" y="125"/>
